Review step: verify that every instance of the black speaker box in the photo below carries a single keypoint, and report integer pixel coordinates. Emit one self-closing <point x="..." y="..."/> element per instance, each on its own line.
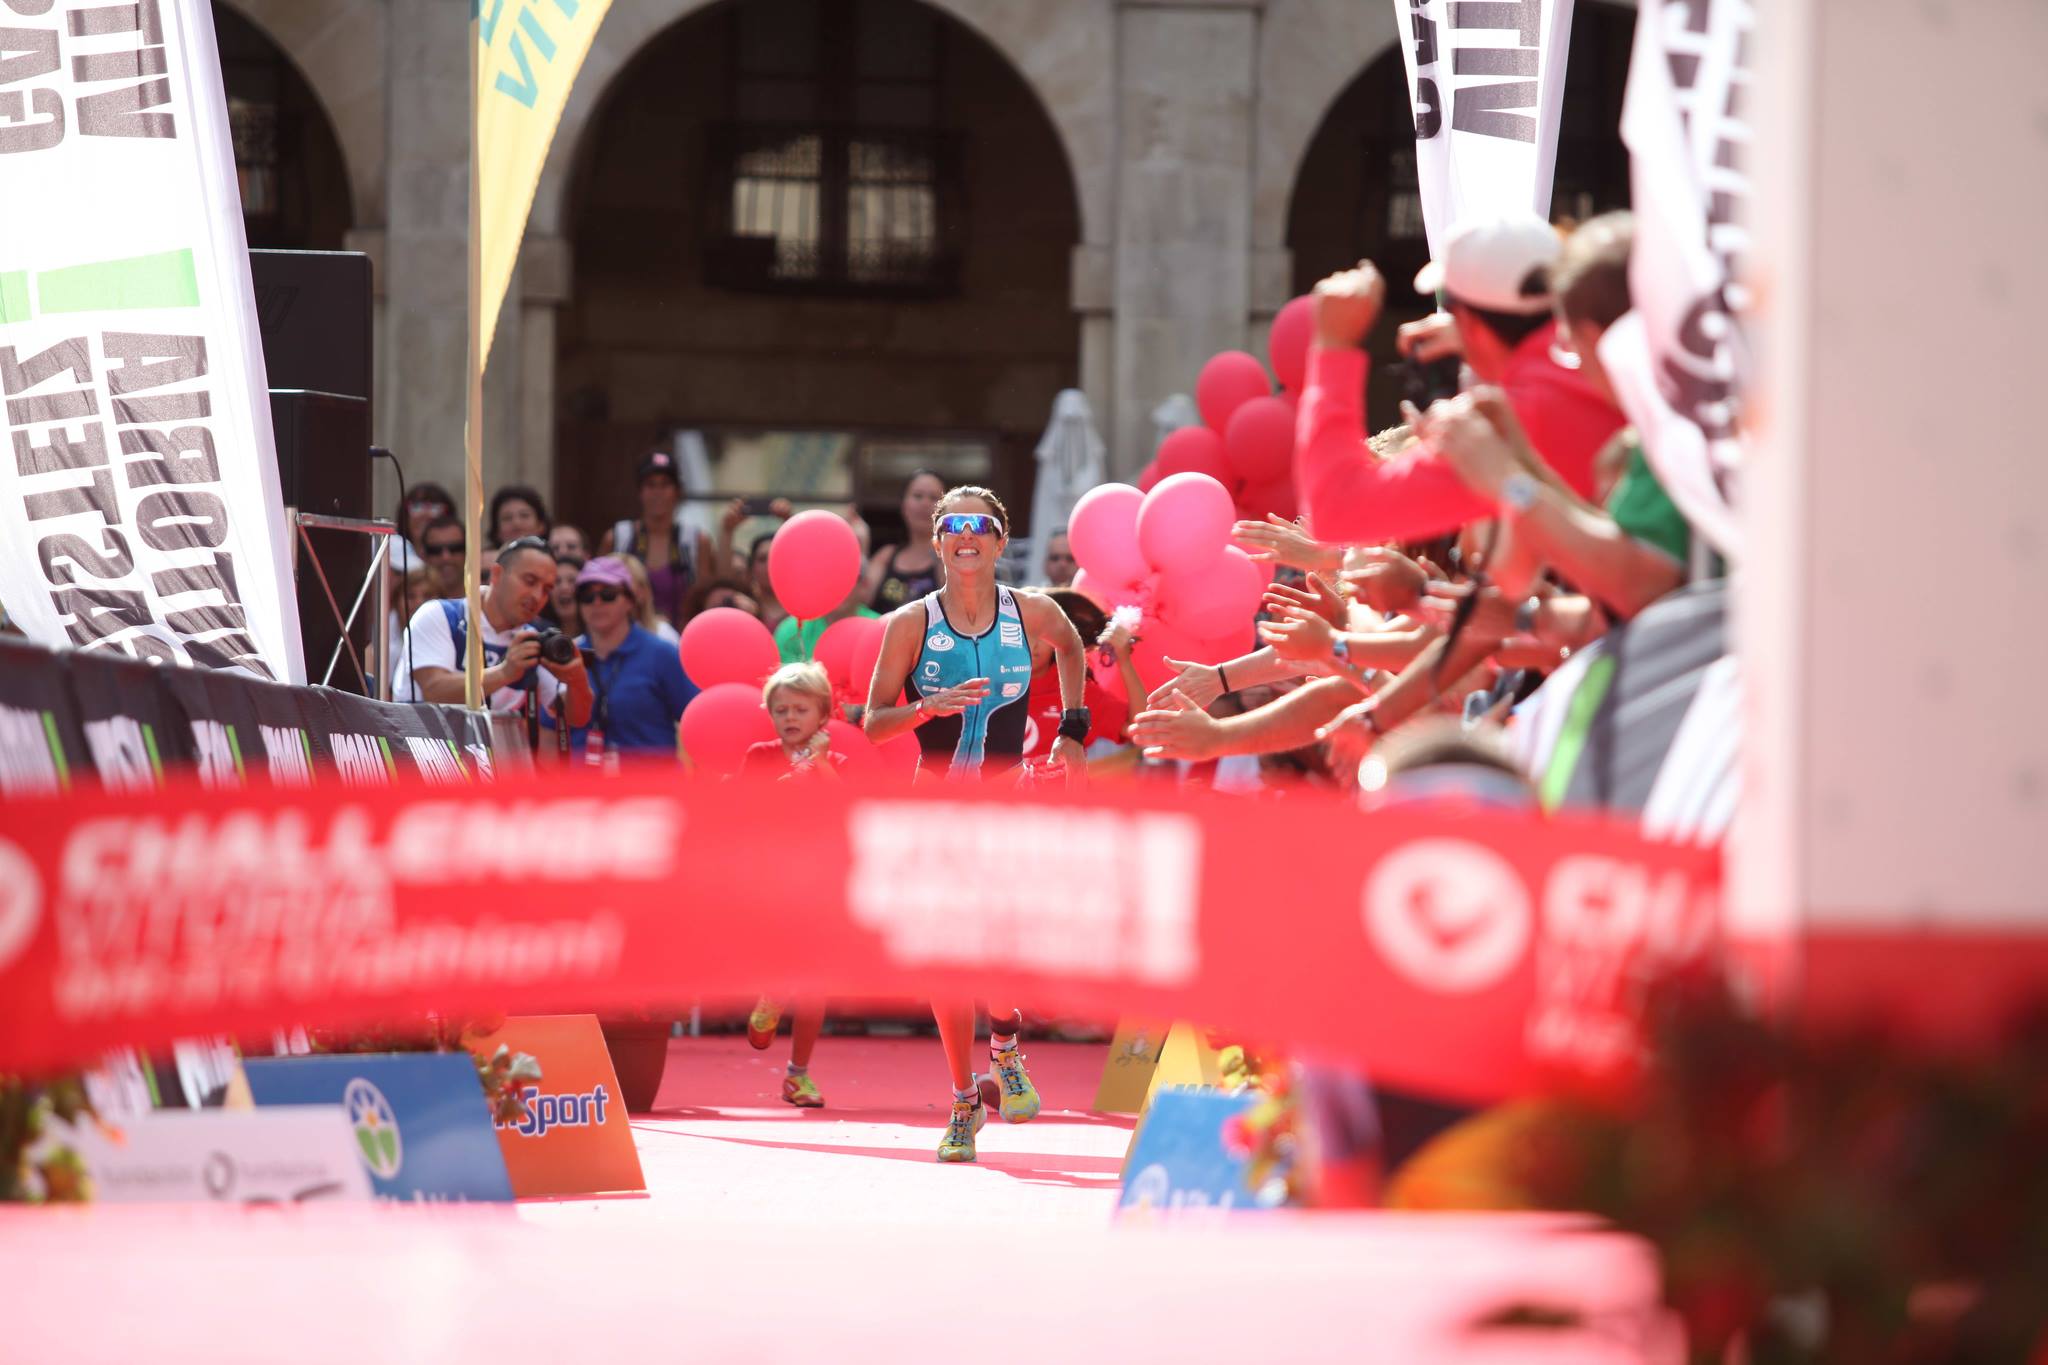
<point x="313" y="308"/>
<point x="323" y="465"/>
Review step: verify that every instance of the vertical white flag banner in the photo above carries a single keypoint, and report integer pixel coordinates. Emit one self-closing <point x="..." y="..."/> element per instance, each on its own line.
<point x="1679" y="360"/>
<point x="1486" y="81"/>
<point x="140" y="510"/>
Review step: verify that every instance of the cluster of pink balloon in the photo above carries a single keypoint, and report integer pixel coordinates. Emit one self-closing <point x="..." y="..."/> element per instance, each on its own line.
<point x="814" y="565"/>
<point x="1167" y="552"/>
<point x="1246" y="440"/>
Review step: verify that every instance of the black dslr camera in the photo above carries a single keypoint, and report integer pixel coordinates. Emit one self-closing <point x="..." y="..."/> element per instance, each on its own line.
<point x="1424" y="382"/>
<point x="557" y="648"/>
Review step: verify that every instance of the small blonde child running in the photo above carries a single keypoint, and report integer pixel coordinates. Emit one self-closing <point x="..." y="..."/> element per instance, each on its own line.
<point x="799" y="701"/>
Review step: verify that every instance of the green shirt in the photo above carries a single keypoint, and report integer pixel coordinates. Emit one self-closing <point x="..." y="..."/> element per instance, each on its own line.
<point x="1645" y="512"/>
<point x="796" y="642"/>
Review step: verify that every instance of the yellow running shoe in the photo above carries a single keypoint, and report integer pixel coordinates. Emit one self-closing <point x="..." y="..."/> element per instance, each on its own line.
<point x="762" y="1022"/>
<point x="958" y="1143"/>
<point x="802" y="1091"/>
<point x="1020" y="1096"/>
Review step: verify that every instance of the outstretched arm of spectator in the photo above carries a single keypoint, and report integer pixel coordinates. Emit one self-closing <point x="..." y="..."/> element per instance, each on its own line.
<point x="1478" y="437"/>
<point x="1204" y="683"/>
<point x="1351" y="498"/>
<point x="1183" y="730"/>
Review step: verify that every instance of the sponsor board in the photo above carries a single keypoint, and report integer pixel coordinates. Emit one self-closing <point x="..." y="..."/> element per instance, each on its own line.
<point x="418" y="1122"/>
<point x="1179" y="1165"/>
<point x="292" y="1154"/>
<point x="575" y="1138"/>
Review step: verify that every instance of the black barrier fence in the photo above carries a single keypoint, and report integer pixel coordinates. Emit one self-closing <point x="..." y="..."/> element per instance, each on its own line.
<point x="79" y="717"/>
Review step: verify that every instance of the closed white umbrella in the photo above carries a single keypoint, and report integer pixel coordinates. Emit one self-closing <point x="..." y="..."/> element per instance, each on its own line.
<point x="1071" y="460"/>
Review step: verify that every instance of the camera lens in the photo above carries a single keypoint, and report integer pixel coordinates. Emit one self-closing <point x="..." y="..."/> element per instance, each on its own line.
<point x="557" y="648"/>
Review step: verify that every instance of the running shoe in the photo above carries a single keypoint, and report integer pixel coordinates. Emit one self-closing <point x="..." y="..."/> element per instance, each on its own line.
<point x="802" y="1092"/>
<point x="1020" y="1096"/>
<point x="761" y="1023"/>
<point x="958" y="1143"/>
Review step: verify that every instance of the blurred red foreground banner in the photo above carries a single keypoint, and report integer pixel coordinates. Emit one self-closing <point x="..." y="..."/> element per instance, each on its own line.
<point x="1474" y="955"/>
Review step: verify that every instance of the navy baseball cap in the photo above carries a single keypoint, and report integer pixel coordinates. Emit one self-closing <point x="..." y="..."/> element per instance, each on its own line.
<point x="660" y="462"/>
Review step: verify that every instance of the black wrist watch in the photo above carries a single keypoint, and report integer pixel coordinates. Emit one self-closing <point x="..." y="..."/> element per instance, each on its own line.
<point x="1074" y="724"/>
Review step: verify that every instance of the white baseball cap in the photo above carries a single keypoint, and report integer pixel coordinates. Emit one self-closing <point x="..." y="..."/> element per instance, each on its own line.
<point x="1488" y="263"/>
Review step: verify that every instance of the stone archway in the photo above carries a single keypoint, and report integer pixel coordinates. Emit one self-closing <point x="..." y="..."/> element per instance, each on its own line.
<point x="674" y="318"/>
<point x="339" y="47"/>
<point x="1064" y="49"/>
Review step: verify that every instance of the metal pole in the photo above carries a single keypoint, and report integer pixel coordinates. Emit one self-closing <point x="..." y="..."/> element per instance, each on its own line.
<point x="473" y="426"/>
<point x="380" y="647"/>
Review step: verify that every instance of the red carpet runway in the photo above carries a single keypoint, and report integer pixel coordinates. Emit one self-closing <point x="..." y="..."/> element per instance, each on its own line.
<point x="771" y="1234"/>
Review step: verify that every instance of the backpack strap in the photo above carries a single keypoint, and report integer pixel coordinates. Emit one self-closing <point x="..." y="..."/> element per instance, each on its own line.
<point x="458" y="628"/>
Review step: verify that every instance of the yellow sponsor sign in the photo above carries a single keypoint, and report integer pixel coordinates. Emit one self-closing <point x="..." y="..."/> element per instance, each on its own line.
<point x="528" y="54"/>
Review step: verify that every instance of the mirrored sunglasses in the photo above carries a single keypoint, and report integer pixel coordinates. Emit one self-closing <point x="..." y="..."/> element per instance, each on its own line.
<point x="596" y="592"/>
<point x="969" y="524"/>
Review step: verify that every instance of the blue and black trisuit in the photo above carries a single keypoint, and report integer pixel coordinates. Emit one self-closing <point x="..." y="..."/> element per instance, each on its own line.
<point x="987" y="737"/>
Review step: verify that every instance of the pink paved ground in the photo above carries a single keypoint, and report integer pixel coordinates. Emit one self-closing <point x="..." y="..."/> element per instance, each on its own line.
<point x="770" y="1235"/>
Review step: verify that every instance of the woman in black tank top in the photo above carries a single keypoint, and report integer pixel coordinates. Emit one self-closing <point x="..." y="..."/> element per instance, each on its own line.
<point x="904" y="573"/>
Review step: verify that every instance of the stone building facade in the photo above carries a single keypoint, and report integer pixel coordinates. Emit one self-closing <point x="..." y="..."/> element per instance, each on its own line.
<point x="1088" y="193"/>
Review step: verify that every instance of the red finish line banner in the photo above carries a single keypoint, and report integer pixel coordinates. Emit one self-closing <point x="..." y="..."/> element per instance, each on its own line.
<point x="1471" y="955"/>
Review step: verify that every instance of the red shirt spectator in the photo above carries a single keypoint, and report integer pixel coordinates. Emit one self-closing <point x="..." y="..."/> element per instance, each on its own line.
<point x="1354" y="498"/>
<point x="1108" y="715"/>
<point x="767" y="760"/>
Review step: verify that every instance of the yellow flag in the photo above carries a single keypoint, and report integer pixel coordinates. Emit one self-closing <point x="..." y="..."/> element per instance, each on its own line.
<point x="528" y="54"/>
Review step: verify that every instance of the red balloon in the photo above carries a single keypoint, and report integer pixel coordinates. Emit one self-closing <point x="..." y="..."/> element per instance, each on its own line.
<point x="1227" y="382"/>
<point x="726" y="645"/>
<point x="1277" y="497"/>
<point x="1287" y="343"/>
<point x="1192" y="450"/>
<point x="1108" y="597"/>
<point x="1158" y="643"/>
<point x="1260" y="441"/>
<point x="721" y="723"/>
<point x="871" y="762"/>
<point x="1215" y="599"/>
<point x="835" y="648"/>
<point x="867" y="650"/>
<point x="813" y="563"/>
<point x="1148" y="476"/>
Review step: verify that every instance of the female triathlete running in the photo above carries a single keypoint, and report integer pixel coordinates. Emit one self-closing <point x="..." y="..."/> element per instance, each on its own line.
<point x="956" y="666"/>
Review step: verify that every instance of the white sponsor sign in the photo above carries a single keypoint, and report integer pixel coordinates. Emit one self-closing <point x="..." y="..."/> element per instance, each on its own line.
<point x="139" y="500"/>
<point x="294" y="1154"/>
<point x="1679" y="361"/>
<point x="1486" y="82"/>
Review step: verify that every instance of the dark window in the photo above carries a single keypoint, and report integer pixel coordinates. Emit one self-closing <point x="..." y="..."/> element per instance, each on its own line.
<point x="833" y="173"/>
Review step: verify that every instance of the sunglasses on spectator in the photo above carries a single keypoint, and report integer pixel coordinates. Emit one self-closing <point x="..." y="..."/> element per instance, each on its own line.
<point x="442" y="551"/>
<point x="969" y="524"/>
<point x="430" y="505"/>
<point x="596" y="592"/>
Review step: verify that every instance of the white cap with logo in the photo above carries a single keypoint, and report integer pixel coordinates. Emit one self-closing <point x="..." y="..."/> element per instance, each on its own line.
<point x="1489" y="263"/>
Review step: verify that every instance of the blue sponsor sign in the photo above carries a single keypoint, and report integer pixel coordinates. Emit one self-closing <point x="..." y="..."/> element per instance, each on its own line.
<point x="1178" y="1163"/>
<point x="419" y="1119"/>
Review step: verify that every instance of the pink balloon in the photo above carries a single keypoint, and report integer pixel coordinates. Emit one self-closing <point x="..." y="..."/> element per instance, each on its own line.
<point x="721" y="723"/>
<point x="1185" y="522"/>
<point x="1149" y="476"/>
<point x="813" y="563"/>
<point x="1103" y="532"/>
<point x="1228" y="381"/>
<point x="835" y="648"/>
<point x="1214" y="599"/>
<point x="1108" y="597"/>
<point x="726" y="645"/>
<point x="1192" y="450"/>
<point x="867" y="650"/>
<point x="1260" y="441"/>
<point x="1287" y="343"/>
